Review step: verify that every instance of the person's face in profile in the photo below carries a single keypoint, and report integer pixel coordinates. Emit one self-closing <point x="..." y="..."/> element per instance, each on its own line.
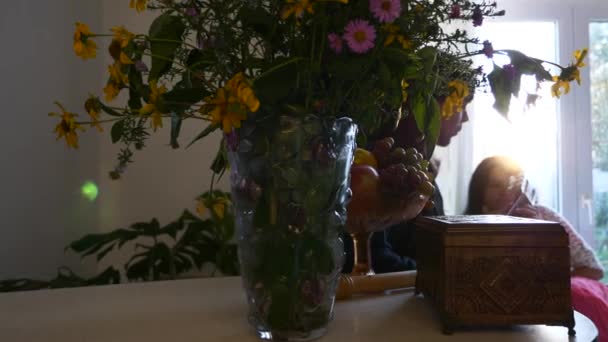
<point x="498" y="195"/>
<point x="450" y="127"/>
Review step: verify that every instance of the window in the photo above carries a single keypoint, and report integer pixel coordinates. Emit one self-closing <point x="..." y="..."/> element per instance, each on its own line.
<point x="529" y="134"/>
<point x="598" y="69"/>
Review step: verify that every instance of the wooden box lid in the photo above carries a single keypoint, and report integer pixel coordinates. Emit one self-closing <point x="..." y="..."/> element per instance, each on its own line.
<point x="494" y="230"/>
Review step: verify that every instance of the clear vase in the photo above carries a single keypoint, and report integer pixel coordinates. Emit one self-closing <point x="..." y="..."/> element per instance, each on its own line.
<point x="290" y="187"/>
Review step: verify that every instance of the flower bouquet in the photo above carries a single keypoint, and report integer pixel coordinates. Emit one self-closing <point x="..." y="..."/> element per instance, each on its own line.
<point x="289" y="83"/>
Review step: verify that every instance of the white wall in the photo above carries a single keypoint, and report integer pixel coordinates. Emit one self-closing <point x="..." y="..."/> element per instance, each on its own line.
<point x="40" y="208"/>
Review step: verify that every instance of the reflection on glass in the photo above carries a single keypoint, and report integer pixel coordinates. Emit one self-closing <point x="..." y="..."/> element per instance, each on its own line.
<point x="598" y="60"/>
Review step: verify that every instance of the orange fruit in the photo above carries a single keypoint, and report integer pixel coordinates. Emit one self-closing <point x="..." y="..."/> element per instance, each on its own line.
<point x="365" y="157"/>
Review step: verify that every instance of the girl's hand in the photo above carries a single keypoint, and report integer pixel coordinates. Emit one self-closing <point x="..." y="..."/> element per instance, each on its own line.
<point x="527" y="211"/>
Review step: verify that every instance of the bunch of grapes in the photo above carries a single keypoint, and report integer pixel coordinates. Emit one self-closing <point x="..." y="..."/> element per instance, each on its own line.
<point x="401" y="171"/>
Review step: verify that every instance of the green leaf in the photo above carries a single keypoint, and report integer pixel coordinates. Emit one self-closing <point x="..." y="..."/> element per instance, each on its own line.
<point x="117" y="130"/>
<point x="428" y="56"/>
<point x="173" y="228"/>
<point x="197" y="60"/>
<point x="84" y="243"/>
<point x="220" y="162"/>
<point x="141" y="226"/>
<point x="204" y="133"/>
<point x="434" y="126"/>
<point x="258" y="20"/>
<point x="165" y="29"/>
<point x="501" y="89"/>
<point x="176" y="126"/>
<point x="278" y="81"/>
<point x="227" y="260"/>
<point x="349" y="69"/>
<point x="419" y="109"/>
<point x="317" y="254"/>
<point x="135" y="89"/>
<point x="109" y="110"/>
<point x="402" y="63"/>
<point x="279" y="310"/>
<point x="385" y="76"/>
<point x="261" y="217"/>
<point x="528" y="65"/>
<point x="181" y="99"/>
<point x="104" y="252"/>
<point x="107" y="277"/>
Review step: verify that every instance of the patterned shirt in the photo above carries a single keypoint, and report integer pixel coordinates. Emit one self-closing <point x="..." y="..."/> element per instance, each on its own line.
<point x="581" y="254"/>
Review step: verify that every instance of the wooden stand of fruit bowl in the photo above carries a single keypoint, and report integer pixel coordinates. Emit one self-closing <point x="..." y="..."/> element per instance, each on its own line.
<point x="384" y="215"/>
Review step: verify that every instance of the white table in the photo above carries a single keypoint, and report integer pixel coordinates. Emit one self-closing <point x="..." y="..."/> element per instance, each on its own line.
<point x="214" y="310"/>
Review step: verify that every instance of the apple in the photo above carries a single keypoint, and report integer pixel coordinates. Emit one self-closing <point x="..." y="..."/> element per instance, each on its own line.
<point x="364" y="186"/>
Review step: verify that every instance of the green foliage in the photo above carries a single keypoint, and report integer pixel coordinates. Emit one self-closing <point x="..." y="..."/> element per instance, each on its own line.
<point x="165" y="38"/>
<point x="502" y="88"/>
<point x="601" y="210"/>
<point x="601" y="228"/>
<point x="506" y="83"/>
<point x="65" y="278"/>
<point x="159" y="252"/>
<point x="164" y="252"/>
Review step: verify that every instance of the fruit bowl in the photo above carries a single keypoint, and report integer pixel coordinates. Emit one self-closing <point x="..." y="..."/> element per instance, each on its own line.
<point x="387" y="213"/>
<point x="389" y="186"/>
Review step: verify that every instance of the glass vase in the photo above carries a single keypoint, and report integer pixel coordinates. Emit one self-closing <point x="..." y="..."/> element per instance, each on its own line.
<point x="290" y="187"/>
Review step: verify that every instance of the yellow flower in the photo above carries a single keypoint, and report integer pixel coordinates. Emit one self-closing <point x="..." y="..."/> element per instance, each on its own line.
<point x="152" y="107"/>
<point x="580" y="55"/>
<point x="404" y="86"/>
<point x="117" y="81"/>
<point x="84" y="47"/>
<point x="217" y="204"/>
<point x="571" y="73"/>
<point x="239" y="86"/>
<point x="122" y="35"/>
<point x="454" y="102"/>
<point x="558" y="85"/>
<point x="226" y="111"/>
<point x="111" y="90"/>
<point x="66" y="128"/>
<point x="296" y="8"/>
<point x="231" y="103"/>
<point x="116" y="75"/>
<point x="121" y="40"/>
<point x="94" y="109"/>
<point x="394" y="34"/>
<point x="576" y="75"/>
<point x="139" y="5"/>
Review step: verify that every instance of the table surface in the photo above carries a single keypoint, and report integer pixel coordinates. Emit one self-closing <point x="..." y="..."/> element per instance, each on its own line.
<point x="215" y="310"/>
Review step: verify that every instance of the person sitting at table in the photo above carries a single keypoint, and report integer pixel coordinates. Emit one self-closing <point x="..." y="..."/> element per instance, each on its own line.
<point x="491" y="192"/>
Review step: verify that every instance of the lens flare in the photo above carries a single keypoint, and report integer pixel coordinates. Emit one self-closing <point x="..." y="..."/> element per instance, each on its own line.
<point x="89" y="191"/>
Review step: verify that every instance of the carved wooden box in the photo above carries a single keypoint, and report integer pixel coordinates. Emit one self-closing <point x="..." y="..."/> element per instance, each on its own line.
<point x="494" y="270"/>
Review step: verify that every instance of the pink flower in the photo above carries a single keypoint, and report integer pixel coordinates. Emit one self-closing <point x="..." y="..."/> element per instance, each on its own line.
<point x="386" y="11"/>
<point x="455" y="12"/>
<point x="335" y="42"/>
<point x="359" y="35"/>
<point x="488" y="50"/>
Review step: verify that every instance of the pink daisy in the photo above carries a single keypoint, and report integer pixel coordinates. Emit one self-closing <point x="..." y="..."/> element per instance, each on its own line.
<point x="359" y="35"/>
<point x="386" y="11"/>
<point x="335" y="42"/>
